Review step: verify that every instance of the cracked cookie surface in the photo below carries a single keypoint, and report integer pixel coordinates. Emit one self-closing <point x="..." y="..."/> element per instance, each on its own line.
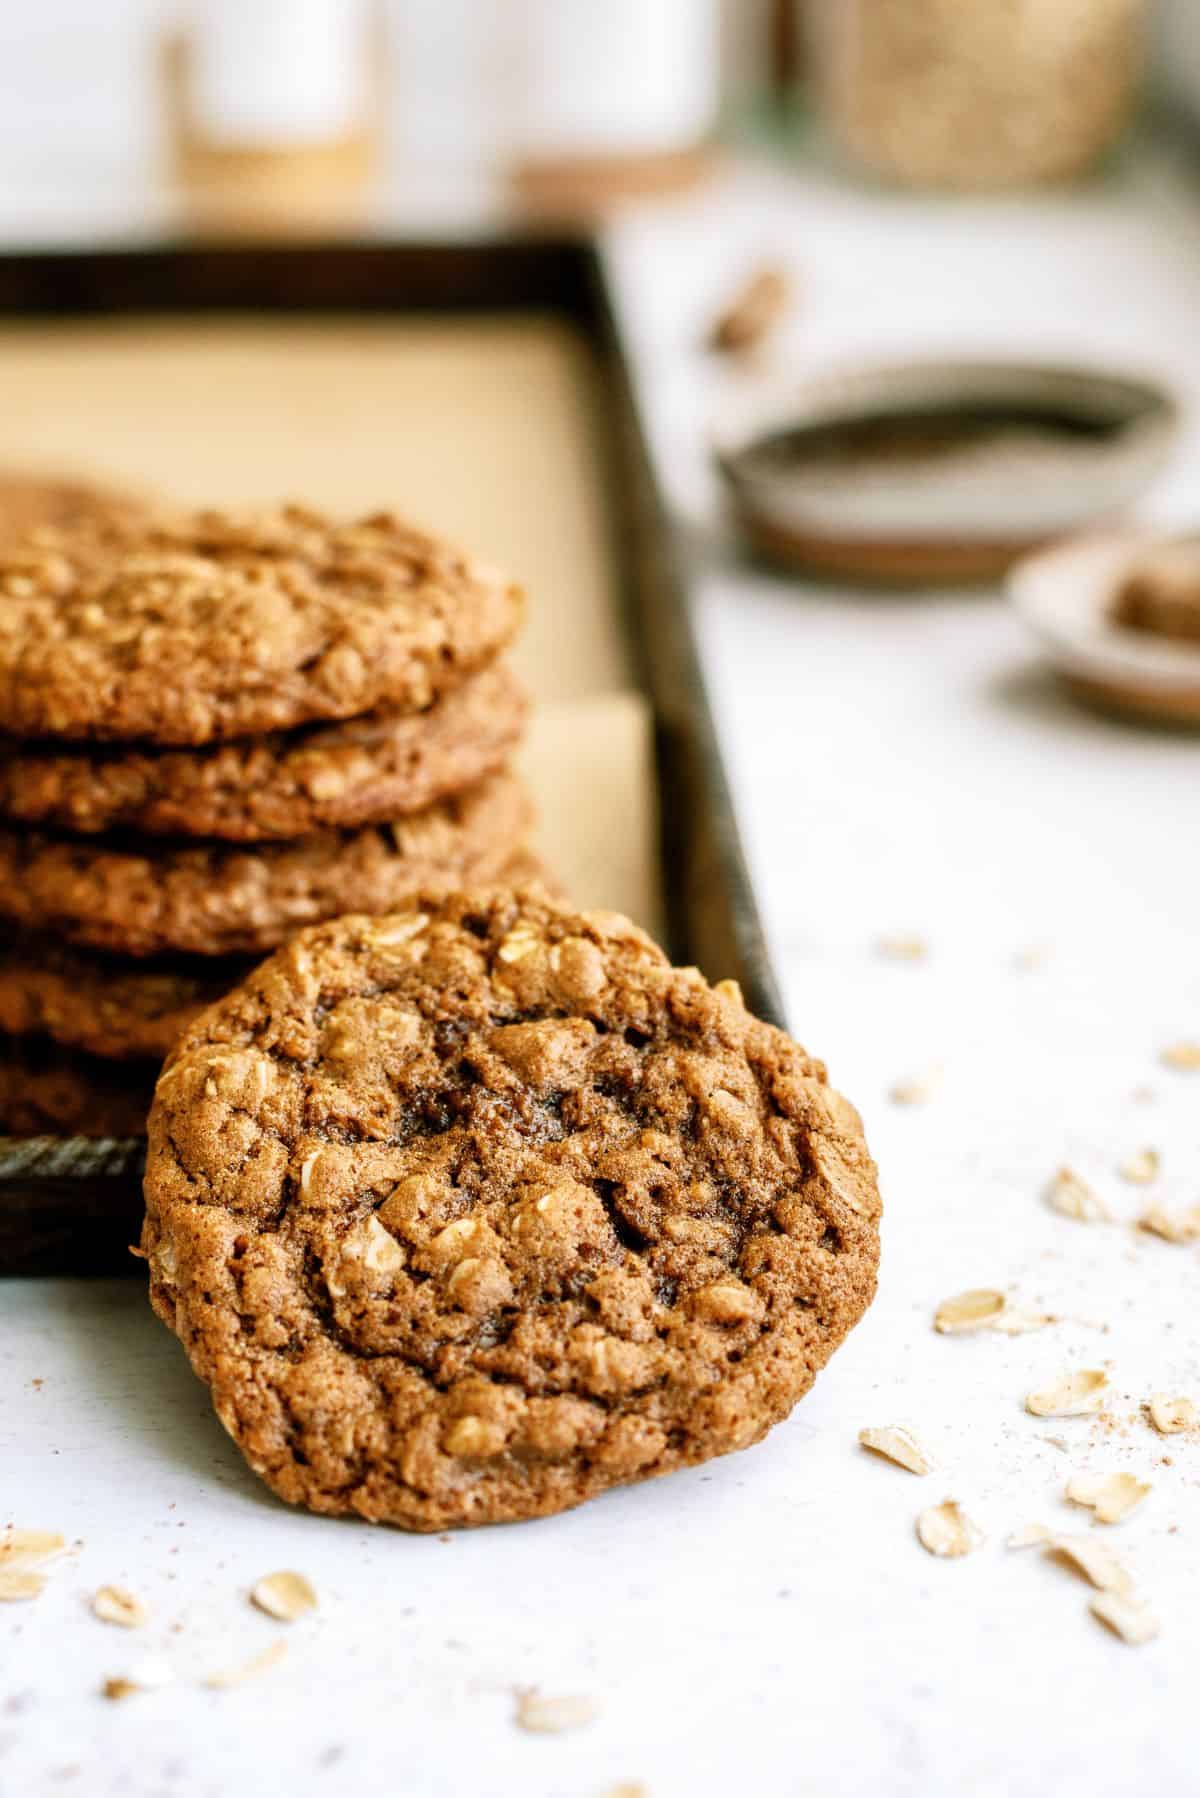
<point x="326" y="777"/>
<point x="468" y="1213"/>
<point x="209" y="898"/>
<point x="202" y="627"/>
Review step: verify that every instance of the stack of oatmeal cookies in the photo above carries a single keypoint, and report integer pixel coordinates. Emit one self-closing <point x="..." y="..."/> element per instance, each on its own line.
<point x="217" y="730"/>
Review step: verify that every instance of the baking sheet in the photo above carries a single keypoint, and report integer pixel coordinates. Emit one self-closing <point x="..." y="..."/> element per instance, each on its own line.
<point x="484" y="429"/>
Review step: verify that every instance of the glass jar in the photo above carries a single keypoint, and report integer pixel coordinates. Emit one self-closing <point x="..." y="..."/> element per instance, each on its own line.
<point x="977" y="93"/>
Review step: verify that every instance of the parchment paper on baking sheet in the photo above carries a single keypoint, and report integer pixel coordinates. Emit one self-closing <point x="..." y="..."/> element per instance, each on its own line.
<point x="484" y="428"/>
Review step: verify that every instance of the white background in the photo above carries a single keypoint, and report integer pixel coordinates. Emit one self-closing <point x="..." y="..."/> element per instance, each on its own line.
<point x="769" y="1623"/>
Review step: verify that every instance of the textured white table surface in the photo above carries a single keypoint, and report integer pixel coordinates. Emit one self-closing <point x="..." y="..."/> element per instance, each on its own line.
<point x="769" y="1624"/>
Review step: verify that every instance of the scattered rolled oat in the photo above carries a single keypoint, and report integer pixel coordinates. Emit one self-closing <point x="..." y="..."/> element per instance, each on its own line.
<point x="1030" y="1535"/>
<point x="24" y="1548"/>
<point x="946" y="1531"/>
<point x="1013" y="1321"/>
<point x="17" y="1584"/>
<point x="1173" y="1226"/>
<point x="917" y="1091"/>
<point x="1109" y="1496"/>
<point x="1073" y="1395"/>
<point x="1094" y="1560"/>
<point x="1128" y="1618"/>
<point x="113" y="1604"/>
<point x="1142" y="1168"/>
<point x="985" y="1309"/>
<point x="1072" y="1197"/>
<point x="553" y="1716"/>
<point x="1090" y="1558"/>
<point x="259" y="1663"/>
<point x="895" y="1443"/>
<point x="21" y="1554"/>
<point x="1184" y="1057"/>
<point x="284" y="1596"/>
<point x="902" y="948"/>
<point x="974" y="1310"/>
<point x="1171" y="1415"/>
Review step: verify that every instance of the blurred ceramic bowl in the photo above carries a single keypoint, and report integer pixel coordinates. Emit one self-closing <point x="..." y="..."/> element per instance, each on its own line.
<point x="936" y="471"/>
<point x="1067" y="596"/>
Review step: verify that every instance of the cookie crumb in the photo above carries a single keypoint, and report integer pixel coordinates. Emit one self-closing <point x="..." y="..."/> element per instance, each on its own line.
<point x="113" y="1604"/>
<point x="119" y="1687"/>
<point x="259" y="1663"/>
<point x="1071" y="1196"/>
<point x="148" y="1676"/>
<point x="898" y="1444"/>
<point x="753" y="313"/>
<point x="1128" y="1618"/>
<point x="1072" y="1395"/>
<point x="946" y="1531"/>
<point x="553" y="1716"/>
<point x="284" y="1596"/>
<point x="1110" y="1497"/>
<point x="1183" y="1057"/>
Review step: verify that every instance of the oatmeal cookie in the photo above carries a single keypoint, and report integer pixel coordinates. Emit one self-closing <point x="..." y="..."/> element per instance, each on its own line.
<point x="209" y="898"/>
<point x="203" y="627"/>
<point x="1161" y="594"/>
<point x="32" y="503"/>
<point x="110" y="1008"/>
<point x="288" y="784"/>
<point x="469" y="1213"/>
<point x="46" y="1090"/>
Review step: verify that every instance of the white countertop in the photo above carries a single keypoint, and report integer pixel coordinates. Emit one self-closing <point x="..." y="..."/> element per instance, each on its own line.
<point x="769" y="1623"/>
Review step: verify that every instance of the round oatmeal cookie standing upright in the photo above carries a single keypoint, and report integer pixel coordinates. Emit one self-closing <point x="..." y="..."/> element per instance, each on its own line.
<point x="202" y="626"/>
<point x="470" y="1212"/>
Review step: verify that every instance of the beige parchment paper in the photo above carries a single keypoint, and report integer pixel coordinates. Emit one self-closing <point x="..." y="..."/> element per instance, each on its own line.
<point x="484" y="429"/>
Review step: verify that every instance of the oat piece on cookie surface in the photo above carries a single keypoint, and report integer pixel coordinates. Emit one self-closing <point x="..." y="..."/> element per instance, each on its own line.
<point x="209" y="898"/>
<point x="286" y="784"/>
<point x="468" y="1213"/>
<point x="203" y="626"/>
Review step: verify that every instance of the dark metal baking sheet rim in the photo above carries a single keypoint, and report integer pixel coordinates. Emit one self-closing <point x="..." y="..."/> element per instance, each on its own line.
<point x="73" y="1205"/>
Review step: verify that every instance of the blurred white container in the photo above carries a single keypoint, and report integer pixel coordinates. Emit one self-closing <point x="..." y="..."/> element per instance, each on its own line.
<point x="274" y="108"/>
<point x="611" y="96"/>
